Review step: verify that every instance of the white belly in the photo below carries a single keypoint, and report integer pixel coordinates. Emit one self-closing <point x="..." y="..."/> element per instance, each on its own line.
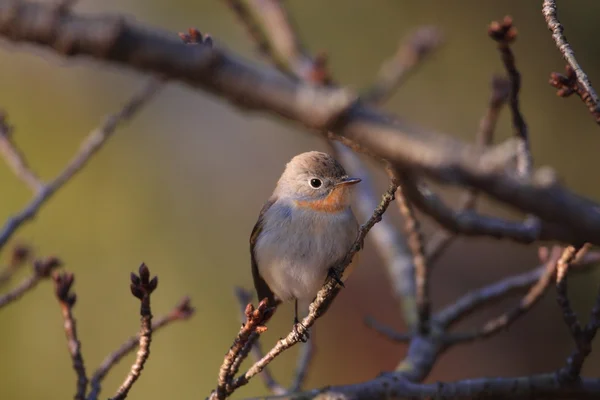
<point x="295" y="253"/>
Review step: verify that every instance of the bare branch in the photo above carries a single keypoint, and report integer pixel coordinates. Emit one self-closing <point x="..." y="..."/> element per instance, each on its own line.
<point x="469" y="223"/>
<point x="15" y="158"/>
<point x="141" y="287"/>
<point x="42" y="269"/>
<point x="486" y="295"/>
<point x="421" y="268"/>
<point x="581" y="335"/>
<point x="576" y="80"/>
<point x="504" y="33"/>
<point x="442" y="239"/>
<point x="215" y="70"/>
<point x="388" y="331"/>
<point x="390" y="385"/>
<point x="410" y="55"/>
<point x="305" y="358"/>
<point x="504" y="320"/>
<point x="62" y="288"/>
<point x="253" y="345"/>
<point x="254" y="326"/>
<point x="390" y="244"/>
<point x="181" y="312"/>
<point x="92" y="144"/>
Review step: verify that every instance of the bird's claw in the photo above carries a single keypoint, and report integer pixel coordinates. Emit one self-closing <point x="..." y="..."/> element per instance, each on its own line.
<point x="301" y="337"/>
<point x="336" y="277"/>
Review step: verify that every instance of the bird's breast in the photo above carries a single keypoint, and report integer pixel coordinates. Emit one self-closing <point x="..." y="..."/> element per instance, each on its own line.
<point x="297" y="246"/>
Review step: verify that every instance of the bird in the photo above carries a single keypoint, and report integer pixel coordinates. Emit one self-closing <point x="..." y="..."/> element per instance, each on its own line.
<point x="304" y="228"/>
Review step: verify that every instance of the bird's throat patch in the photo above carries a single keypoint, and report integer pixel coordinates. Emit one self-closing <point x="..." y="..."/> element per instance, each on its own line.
<point x="333" y="203"/>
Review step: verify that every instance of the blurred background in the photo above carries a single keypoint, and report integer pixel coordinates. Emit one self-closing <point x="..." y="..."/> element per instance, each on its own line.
<point x="181" y="186"/>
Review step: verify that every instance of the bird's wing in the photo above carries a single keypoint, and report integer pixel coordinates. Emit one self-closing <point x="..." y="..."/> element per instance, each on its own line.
<point x="262" y="289"/>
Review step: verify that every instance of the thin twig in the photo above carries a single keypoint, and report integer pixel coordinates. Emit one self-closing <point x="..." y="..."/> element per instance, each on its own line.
<point x="410" y="55"/>
<point x="141" y="287"/>
<point x="251" y="328"/>
<point x="580" y="334"/>
<point x="19" y="257"/>
<point x="533" y="295"/>
<point x="305" y="358"/>
<point x="253" y="346"/>
<point x="504" y="33"/>
<point x="414" y="236"/>
<point x="389" y="242"/>
<point x="583" y="85"/>
<point x="90" y="146"/>
<point x="181" y="312"/>
<point x="387" y="331"/>
<point x="323" y="299"/>
<point x="62" y="288"/>
<point x="442" y="239"/>
<point x="42" y="269"/>
<point x="486" y="295"/>
<point x="16" y="159"/>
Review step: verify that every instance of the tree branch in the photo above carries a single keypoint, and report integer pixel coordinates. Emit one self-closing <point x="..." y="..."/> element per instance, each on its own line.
<point x="442" y="239"/>
<point x="181" y="312"/>
<point x="92" y="144"/>
<point x="544" y="386"/>
<point x="578" y="81"/>
<point x="215" y="70"/>
<point x="409" y="56"/>
<point x="42" y="269"/>
<point x="62" y="288"/>
<point x="15" y="157"/>
<point x="141" y="287"/>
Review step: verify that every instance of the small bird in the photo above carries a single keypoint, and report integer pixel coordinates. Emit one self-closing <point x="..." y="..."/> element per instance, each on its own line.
<point x="305" y="227"/>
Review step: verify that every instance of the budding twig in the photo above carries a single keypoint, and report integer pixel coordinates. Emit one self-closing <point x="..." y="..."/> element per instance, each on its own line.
<point x="42" y="269"/>
<point x="576" y="80"/>
<point x="504" y="33"/>
<point x="62" y="289"/>
<point x="141" y="287"/>
<point x="181" y="312"/>
<point x="254" y="325"/>
<point x="253" y="346"/>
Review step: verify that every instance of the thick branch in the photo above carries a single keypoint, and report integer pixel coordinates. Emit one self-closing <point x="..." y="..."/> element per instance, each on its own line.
<point x="544" y="386"/>
<point x="217" y="71"/>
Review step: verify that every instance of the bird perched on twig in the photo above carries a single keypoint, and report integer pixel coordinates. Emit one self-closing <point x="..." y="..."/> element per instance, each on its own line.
<point x="305" y="227"/>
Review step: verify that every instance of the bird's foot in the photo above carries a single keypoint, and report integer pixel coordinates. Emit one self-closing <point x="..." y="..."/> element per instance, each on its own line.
<point x="335" y="276"/>
<point x="302" y="337"/>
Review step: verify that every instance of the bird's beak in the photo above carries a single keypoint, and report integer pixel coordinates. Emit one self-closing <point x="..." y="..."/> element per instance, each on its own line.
<point x="348" y="181"/>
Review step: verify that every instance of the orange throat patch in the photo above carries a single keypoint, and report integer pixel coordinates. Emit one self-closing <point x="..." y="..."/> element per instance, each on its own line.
<point x="333" y="203"/>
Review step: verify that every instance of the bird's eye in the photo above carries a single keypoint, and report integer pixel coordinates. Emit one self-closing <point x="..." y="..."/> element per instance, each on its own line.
<point x="315" y="183"/>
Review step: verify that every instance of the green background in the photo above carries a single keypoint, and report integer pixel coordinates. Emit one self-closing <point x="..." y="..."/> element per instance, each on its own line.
<point x="181" y="186"/>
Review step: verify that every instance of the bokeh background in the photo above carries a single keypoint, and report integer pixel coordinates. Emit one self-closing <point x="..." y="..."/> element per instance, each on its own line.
<point x="180" y="188"/>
